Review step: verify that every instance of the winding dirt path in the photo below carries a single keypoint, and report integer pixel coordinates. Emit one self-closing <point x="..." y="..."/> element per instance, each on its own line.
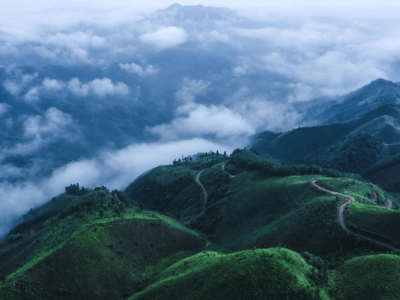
<point x="341" y="216"/>
<point x="223" y="169"/>
<point x="203" y="211"/>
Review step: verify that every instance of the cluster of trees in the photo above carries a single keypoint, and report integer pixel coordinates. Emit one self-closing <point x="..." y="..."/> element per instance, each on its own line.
<point x="183" y="160"/>
<point x="198" y="155"/>
<point x="252" y="161"/>
<point x="272" y="169"/>
<point x="242" y="157"/>
<point x="74" y="190"/>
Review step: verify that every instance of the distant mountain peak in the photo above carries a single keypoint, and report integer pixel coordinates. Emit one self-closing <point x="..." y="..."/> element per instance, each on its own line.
<point x="368" y="98"/>
<point x="380" y="81"/>
<point x="196" y="12"/>
<point x="174" y="6"/>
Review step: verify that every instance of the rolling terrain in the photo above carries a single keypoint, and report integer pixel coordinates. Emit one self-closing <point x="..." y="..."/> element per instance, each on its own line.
<point x="215" y="227"/>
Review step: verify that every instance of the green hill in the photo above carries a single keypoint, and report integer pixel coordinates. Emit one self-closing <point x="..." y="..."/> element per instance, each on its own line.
<point x="92" y="255"/>
<point x="269" y="233"/>
<point x="275" y="273"/>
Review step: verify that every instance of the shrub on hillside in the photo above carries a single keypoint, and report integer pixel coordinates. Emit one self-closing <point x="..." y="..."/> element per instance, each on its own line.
<point x="241" y="158"/>
<point x="271" y="169"/>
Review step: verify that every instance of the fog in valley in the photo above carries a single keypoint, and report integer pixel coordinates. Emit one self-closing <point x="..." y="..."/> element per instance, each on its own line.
<point x="98" y="93"/>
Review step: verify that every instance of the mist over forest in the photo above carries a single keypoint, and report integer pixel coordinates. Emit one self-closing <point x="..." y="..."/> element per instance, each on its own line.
<point x="99" y="98"/>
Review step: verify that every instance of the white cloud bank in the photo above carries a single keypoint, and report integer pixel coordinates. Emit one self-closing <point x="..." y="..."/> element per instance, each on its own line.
<point x="241" y="115"/>
<point x="165" y="37"/>
<point x="138" y="69"/>
<point x="101" y="88"/>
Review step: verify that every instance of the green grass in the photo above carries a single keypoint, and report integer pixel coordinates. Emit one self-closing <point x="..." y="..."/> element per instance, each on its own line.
<point x="355" y="188"/>
<point x="275" y="273"/>
<point x="376" y="220"/>
<point x="372" y="277"/>
<point x="260" y="209"/>
<point x="148" y="255"/>
<point x="93" y="256"/>
<point x="251" y="210"/>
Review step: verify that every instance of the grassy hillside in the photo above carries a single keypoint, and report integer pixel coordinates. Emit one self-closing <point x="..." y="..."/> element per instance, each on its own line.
<point x="263" y="207"/>
<point x="172" y="189"/>
<point x="368" y="277"/>
<point x="93" y="255"/>
<point x="269" y="232"/>
<point x="275" y="273"/>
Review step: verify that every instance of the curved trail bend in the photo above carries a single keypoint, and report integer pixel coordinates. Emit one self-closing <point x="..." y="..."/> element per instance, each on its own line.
<point x="223" y="169"/>
<point x="341" y="217"/>
<point x="203" y="211"/>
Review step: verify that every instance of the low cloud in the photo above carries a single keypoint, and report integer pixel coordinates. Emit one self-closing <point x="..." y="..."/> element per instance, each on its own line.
<point x="138" y="69"/>
<point x="189" y="89"/>
<point x="53" y="85"/>
<point x="4" y="107"/>
<point x="102" y="88"/>
<point x="321" y="76"/>
<point x="39" y="131"/>
<point x="99" y="87"/>
<point x="165" y="37"/>
<point x="32" y="95"/>
<point x="17" y="80"/>
<point x="262" y="114"/>
<point x="76" y="40"/>
<point x="114" y="169"/>
<point x="242" y="114"/>
<point x="217" y="122"/>
<point x="51" y="123"/>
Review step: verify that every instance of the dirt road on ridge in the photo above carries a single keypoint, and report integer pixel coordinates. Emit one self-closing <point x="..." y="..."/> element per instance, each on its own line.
<point x="203" y="211"/>
<point x="341" y="216"/>
<point x="223" y="169"/>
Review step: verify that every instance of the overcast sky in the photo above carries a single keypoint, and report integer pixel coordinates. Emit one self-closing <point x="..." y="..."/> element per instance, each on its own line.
<point x="40" y="4"/>
<point x="25" y="8"/>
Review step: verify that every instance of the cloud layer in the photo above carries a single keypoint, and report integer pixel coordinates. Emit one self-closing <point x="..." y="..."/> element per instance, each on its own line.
<point x="114" y="169"/>
<point x="101" y="88"/>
